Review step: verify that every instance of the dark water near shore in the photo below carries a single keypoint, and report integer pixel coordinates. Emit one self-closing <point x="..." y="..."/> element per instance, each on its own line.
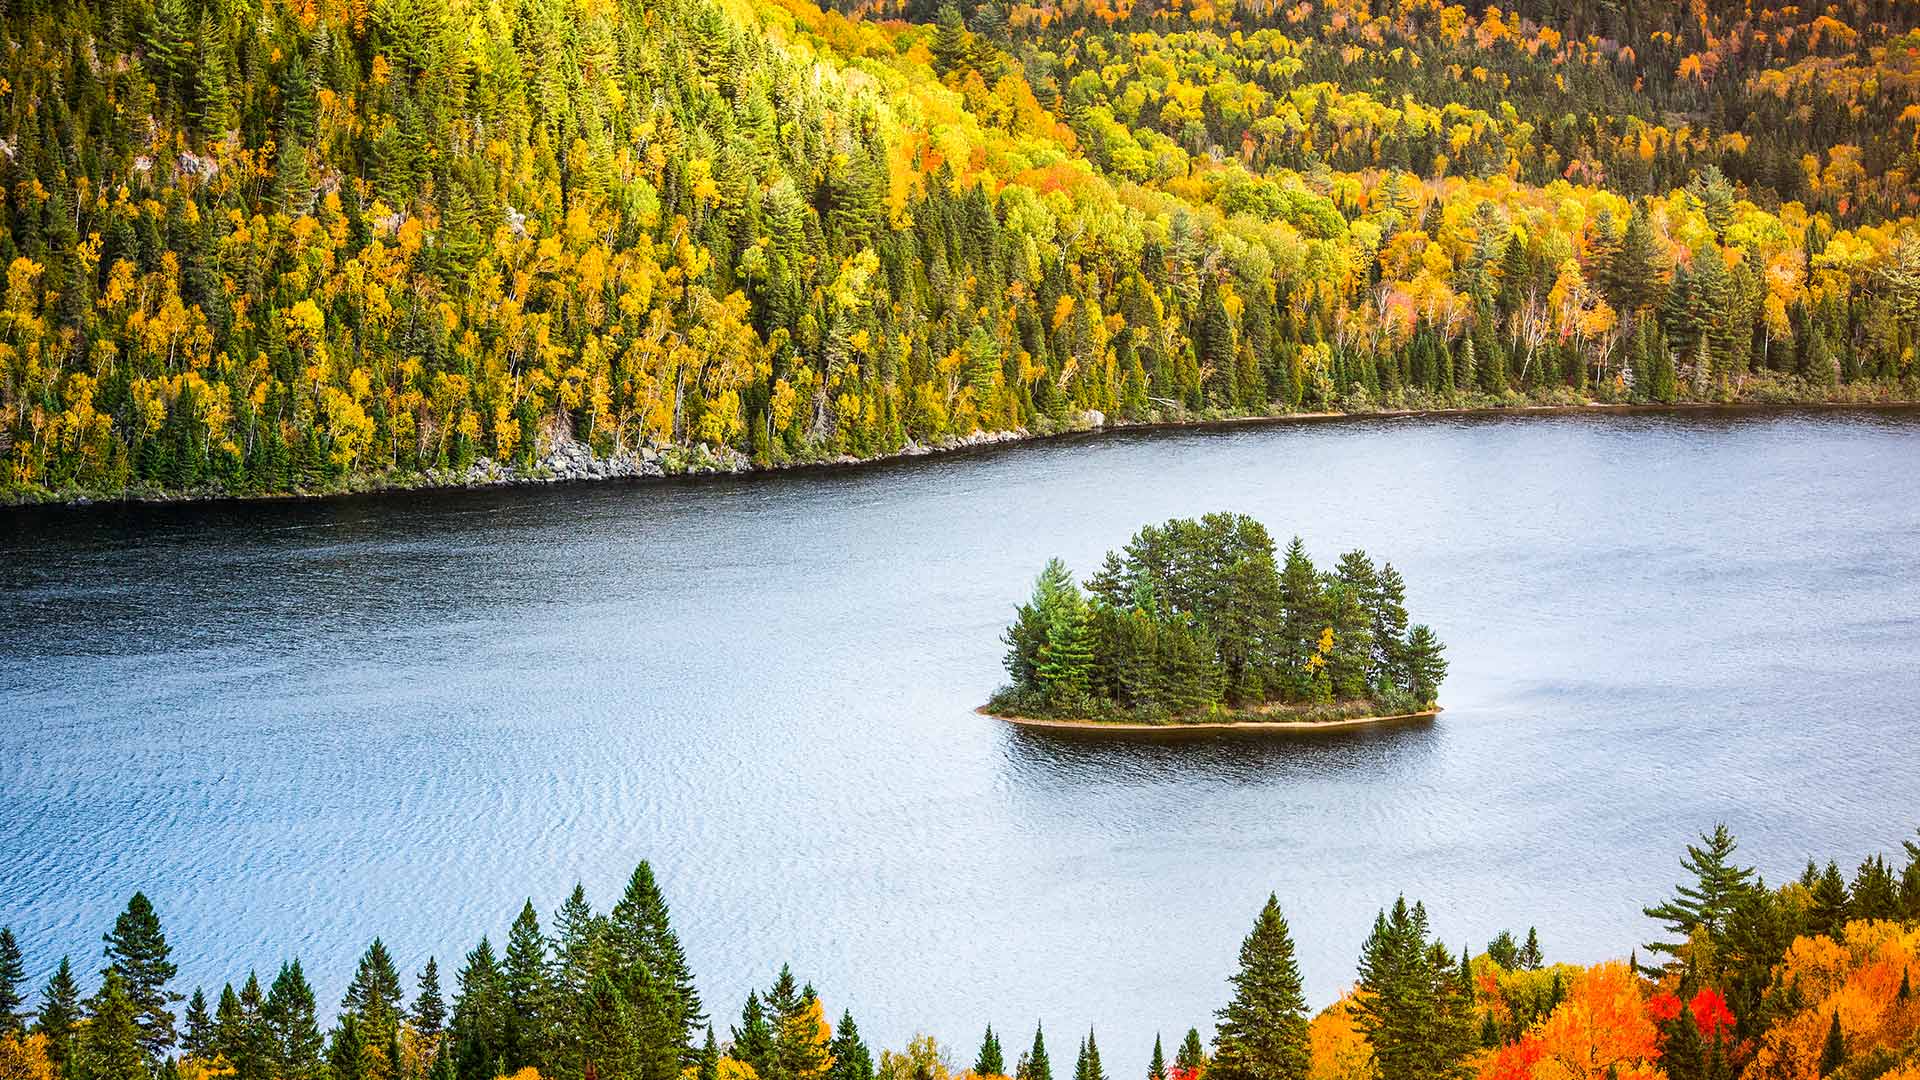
<point x="298" y="725"/>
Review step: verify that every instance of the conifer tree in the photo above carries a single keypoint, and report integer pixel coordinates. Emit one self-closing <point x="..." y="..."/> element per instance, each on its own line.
<point x="1191" y="1061"/>
<point x="110" y="1048"/>
<point x="59" y="1013"/>
<point x="641" y="932"/>
<point x="1833" y="1053"/>
<point x="753" y="1039"/>
<point x="429" y="1015"/>
<point x="1157" y="1065"/>
<point x="989" y="1062"/>
<point x="289" y="1018"/>
<point x="347" y="1056"/>
<point x="1530" y="957"/>
<point x="137" y="953"/>
<point x="197" y="1040"/>
<point x="1415" y="1007"/>
<point x="1087" y="1065"/>
<point x="1034" y="1064"/>
<point x="373" y="997"/>
<point x="1709" y="901"/>
<point x="851" y="1059"/>
<point x="479" y="1008"/>
<point x="1262" y="1033"/>
<point x="526" y="1038"/>
<point x="13" y="985"/>
<point x="1830" y="903"/>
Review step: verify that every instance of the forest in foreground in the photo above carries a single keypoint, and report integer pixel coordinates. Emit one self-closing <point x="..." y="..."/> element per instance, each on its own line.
<point x="1811" y="979"/>
<point x="266" y="246"/>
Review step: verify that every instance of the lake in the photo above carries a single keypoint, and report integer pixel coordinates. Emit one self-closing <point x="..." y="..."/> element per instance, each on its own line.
<point x="298" y="725"/>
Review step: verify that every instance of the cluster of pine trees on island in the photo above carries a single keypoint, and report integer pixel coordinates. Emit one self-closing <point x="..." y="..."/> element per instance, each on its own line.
<point x="261" y="246"/>
<point x="1200" y="621"/>
<point x="1808" y="980"/>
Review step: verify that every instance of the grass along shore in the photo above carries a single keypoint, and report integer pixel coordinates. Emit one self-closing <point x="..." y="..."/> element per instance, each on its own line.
<point x="1264" y="718"/>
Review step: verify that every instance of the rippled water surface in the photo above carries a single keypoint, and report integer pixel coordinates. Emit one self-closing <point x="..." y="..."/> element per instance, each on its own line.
<point x="298" y="725"/>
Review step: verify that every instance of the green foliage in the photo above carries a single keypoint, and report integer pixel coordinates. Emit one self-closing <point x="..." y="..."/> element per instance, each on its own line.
<point x="1262" y="1033"/>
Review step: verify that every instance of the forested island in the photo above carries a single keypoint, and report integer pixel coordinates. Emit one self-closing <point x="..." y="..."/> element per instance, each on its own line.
<point x="1200" y="622"/>
<point x="256" y="246"/>
<point x="1811" y="979"/>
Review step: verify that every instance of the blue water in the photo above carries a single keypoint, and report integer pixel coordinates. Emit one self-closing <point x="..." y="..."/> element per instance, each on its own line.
<point x="298" y="725"/>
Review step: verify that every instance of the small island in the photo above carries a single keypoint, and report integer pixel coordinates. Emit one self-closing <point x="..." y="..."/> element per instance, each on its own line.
<point x="1199" y="623"/>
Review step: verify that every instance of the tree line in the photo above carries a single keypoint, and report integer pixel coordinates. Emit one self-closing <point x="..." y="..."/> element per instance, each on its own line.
<point x="1810" y="979"/>
<point x="1198" y="618"/>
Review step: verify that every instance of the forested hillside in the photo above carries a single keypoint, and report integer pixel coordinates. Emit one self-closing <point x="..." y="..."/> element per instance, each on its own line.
<point x="260" y="246"/>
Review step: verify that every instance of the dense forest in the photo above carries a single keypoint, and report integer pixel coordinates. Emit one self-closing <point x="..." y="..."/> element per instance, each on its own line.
<point x="1199" y="620"/>
<point x="1811" y="979"/>
<point x="258" y="246"/>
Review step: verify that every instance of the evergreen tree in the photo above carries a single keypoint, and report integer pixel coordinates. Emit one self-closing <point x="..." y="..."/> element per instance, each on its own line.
<point x="1087" y="1065"/>
<point x="289" y="1017"/>
<point x="641" y="933"/>
<point x="1034" y="1064"/>
<point x="197" y="1040"/>
<point x="137" y="953"/>
<point x="610" y="1044"/>
<point x="59" y="1014"/>
<point x="1157" y="1066"/>
<point x="1829" y="913"/>
<point x="1426" y="668"/>
<point x="373" y="997"/>
<point x="1502" y="951"/>
<point x="526" y="1038"/>
<point x="1415" y="1007"/>
<point x="110" y="1047"/>
<point x="347" y="1057"/>
<point x="1262" y="1034"/>
<point x="989" y="1062"/>
<point x="429" y="1016"/>
<point x="479" y="1014"/>
<point x="951" y="51"/>
<point x="753" y="1039"/>
<point x="1833" y="1053"/>
<point x="1192" y="1058"/>
<point x="1709" y="901"/>
<point x="13" y="985"/>
<point x="1530" y="957"/>
<point x="851" y="1059"/>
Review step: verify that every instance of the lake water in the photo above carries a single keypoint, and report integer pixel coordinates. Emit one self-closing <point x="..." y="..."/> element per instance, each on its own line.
<point x="299" y="725"/>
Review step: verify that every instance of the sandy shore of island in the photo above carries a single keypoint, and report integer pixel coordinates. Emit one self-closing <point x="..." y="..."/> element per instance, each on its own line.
<point x="1176" y="727"/>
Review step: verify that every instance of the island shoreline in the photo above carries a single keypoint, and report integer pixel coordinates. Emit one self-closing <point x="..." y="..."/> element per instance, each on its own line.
<point x="976" y="443"/>
<point x="1134" y="727"/>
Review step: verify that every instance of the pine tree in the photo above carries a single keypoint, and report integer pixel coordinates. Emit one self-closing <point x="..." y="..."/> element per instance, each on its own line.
<point x="137" y="953"/>
<point x="989" y="1062"/>
<point x="289" y="1017"/>
<point x="1426" y="668"/>
<point x="1034" y="1064"/>
<point x="429" y="1014"/>
<point x="1707" y="903"/>
<point x="753" y="1039"/>
<point x="609" y="1041"/>
<point x="110" y="1048"/>
<point x="1087" y="1065"/>
<point x="373" y="997"/>
<point x="1415" y="1007"/>
<point x="479" y="1014"/>
<point x="1830" y="903"/>
<point x="641" y="932"/>
<point x="529" y="995"/>
<point x="197" y="1040"/>
<point x="1530" y="957"/>
<point x="1262" y="1033"/>
<point x="1833" y="1053"/>
<point x="346" y="1058"/>
<point x="951" y="51"/>
<point x="58" y="1015"/>
<point x="13" y="985"/>
<point x="1157" y="1066"/>
<point x="851" y="1059"/>
<point x="1192" y="1058"/>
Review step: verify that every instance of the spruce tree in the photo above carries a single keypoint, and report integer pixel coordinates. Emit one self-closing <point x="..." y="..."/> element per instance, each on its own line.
<point x="1830" y="903"/>
<point x="1087" y="1065"/>
<point x="640" y="931"/>
<point x="1415" y="1006"/>
<point x="110" y="1048"/>
<point x="1833" y="1053"/>
<point x="1157" y="1065"/>
<point x="137" y="953"/>
<point x="1262" y="1033"/>
<point x="429" y="1015"/>
<point x="13" y="985"/>
<point x="347" y="1057"/>
<point x="990" y="1061"/>
<point x="289" y="1017"/>
<point x="197" y="1040"/>
<point x="479" y="1008"/>
<point x="851" y="1059"/>
<point x="1192" y="1058"/>
<point x="753" y="1039"/>
<point x="373" y="997"/>
<point x="526" y="1039"/>
<point x="1034" y="1064"/>
<point x="1530" y="957"/>
<point x="58" y="1015"/>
